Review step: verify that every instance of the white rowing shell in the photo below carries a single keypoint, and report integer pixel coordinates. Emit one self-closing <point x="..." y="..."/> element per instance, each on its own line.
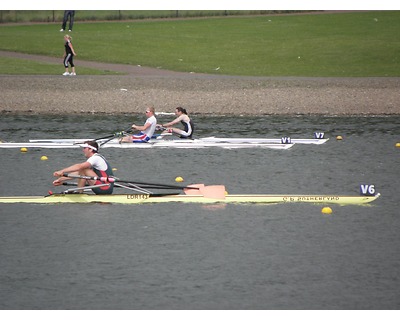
<point x="192" y="144"/>
<point x="208" y="139"/>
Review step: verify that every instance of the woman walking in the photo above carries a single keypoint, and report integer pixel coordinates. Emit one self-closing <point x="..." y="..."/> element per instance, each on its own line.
<point x="69" y="56"/>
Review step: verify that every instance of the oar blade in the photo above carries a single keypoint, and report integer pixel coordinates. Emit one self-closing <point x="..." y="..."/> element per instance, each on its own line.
<point x="212" y="192"/>
<point x="193" y="189"/>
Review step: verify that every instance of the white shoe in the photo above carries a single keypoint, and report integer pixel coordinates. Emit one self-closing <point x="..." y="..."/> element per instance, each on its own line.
<point x="61" y="30"/>
<point x="70" y="30"/>
<point x="66" y="74"/>
<point x="72" y="74"/>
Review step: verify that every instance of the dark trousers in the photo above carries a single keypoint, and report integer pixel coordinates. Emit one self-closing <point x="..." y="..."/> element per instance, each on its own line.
<point x="70" y="14"/>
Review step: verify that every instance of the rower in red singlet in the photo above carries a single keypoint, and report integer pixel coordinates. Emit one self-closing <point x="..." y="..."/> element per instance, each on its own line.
<point x="95" y="165"/>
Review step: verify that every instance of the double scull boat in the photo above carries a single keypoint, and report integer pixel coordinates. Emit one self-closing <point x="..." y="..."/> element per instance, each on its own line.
<point x="226" y="143"/>
<point x="159" y="138"/>
<point x="182" y="144"/>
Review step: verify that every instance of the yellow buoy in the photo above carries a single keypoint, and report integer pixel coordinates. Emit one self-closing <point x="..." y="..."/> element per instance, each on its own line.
<point x="114" y="169"/>
<point x="179" y="179"/>
<point x="339" y="138"/>
<point x="44" y="158"/>
<point x="326" y="210"/>
<point x="23" y="149"/>
<point x="398" y="144"/>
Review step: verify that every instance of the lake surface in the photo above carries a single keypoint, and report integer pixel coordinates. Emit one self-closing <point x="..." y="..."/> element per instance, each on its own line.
<point x="190" y="256"/>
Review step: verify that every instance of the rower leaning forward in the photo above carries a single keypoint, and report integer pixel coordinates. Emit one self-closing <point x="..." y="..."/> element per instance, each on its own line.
<point x="185" y="120"/>
<point x="96" y="165"/>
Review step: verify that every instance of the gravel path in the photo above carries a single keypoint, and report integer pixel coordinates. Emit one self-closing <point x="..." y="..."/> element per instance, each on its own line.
<point x="198" y="93"/>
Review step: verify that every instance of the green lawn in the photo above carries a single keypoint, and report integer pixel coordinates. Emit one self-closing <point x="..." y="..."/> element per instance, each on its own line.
<point x="28" y="67"/>
<point x="328" y="45"/>
<point x="21" y="16"/>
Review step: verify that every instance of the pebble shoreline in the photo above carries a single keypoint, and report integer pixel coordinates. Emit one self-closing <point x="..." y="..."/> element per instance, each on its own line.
<point x="199" y="94"/>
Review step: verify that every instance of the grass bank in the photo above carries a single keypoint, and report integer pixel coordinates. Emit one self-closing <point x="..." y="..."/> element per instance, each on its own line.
<point x="23" y="16"/>
<point x="13" y="66"/>
<point x="361" y="44"/>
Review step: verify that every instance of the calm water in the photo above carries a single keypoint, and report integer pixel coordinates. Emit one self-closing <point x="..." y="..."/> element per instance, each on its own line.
<point x="187" y="256"/>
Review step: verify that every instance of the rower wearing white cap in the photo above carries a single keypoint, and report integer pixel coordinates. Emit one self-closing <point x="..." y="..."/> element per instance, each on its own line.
<point x="95" y="165"/>
<point x="146" y="131"/>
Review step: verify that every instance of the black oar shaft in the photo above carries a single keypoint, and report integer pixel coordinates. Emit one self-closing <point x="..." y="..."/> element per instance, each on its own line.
<point x="119" y="186"/>
<point x="142" y="184"/>
<point x="106" y="137"/>
<point x="114" y="135"/>
<point x="153" y="184"/>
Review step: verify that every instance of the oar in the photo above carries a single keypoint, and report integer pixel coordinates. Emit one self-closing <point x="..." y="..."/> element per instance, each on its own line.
<point x="216" y="192"/>
<point x="112" y="136"/>
<point x="72" y="184"/>
<point x="113" y="179"/>
<point x="108" y="140"/>
<point x="213" y="192"/>
<point x="115" y="135"/>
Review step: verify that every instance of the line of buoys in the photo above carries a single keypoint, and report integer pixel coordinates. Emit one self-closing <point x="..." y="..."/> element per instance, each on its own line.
<point x="43" y="158"/>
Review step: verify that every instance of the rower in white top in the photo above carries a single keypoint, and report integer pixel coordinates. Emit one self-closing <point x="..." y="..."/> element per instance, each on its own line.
<point x="94" y="166"/>
<point x="146" y="131"/>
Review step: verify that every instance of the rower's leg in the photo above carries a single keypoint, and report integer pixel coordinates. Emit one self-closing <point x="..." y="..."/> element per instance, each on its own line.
<point x="84" y="182"/>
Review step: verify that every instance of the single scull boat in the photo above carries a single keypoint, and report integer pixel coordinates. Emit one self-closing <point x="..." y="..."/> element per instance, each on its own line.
<point x="188" y="198"/>
<point x="194" y="193"/>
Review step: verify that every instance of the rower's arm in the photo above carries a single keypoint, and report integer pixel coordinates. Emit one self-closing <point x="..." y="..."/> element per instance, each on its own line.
<point x="177" y="120"/>
<point x="141" y="128"/>
<point x="73" y="168"/>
